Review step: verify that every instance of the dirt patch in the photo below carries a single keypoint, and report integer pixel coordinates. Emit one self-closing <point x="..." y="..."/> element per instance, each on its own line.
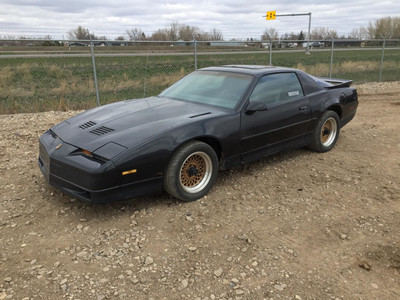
<point x="297" y="225"/>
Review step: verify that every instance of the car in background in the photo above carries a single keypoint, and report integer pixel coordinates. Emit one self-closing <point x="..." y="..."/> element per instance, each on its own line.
<point x="317" y="44"/>
<point x="213" y="119"/>
<point x="78" y="44"/>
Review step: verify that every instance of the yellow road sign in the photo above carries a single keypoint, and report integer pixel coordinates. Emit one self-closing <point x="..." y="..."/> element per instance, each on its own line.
<point x="271" y="15"/>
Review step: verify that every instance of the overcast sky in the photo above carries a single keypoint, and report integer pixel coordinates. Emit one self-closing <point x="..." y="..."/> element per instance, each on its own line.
<point x="235" y="18"/>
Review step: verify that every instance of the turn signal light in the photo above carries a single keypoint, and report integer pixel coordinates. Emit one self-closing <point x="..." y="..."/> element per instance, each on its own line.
<point x="87" y="152"/>
<point x="129" y="172"/>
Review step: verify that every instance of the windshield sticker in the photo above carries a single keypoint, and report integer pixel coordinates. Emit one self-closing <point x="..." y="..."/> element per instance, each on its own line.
<point x="294" y="93"/>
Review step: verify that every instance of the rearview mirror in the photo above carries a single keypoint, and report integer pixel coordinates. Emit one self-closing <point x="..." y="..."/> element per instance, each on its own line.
<point x="256" y="106"/>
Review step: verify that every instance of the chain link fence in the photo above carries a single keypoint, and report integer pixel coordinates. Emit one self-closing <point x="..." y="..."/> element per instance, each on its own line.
<point x="40" y="75"/>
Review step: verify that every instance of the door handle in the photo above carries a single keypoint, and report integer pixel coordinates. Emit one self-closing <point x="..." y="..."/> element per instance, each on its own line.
<point x="303" y="107"/>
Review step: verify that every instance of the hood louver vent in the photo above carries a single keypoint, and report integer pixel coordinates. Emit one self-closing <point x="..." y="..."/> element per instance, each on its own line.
<point x="199" y="115"/>
<point x="87" y="125"/>
<point x="101" y="130"/>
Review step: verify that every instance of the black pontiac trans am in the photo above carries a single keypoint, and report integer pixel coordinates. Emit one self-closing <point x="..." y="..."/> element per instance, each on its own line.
<point x="213" y="119"/>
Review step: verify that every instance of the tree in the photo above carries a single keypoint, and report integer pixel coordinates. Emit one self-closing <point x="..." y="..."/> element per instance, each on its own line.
<point x="187" y="33"/>
<point x="323" y="33"/>
<point x="203" y="36"/>
<point x="135" y="34"/>
<point x="358" y="33"/>
<point x="289" y="36"/>
<point x="216" y="35"/>
<point x="175" y="30"/>
<point x="301" y="36"/>
<point x="160" y="35"/>
<point x="269" y="33"/>
<point x="170" y="33"/>
<point x="384" y="27"/>
<point x="79" y="33"/>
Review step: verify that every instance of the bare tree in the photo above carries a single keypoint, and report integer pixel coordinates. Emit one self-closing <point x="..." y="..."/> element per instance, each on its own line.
<point x="385" y="27"/>
<point x="160" y="35"/>
<point x="203" y="36"/>
<point x="290" y="36"/>
<point x="323" y="33"/>
<point x="359" y="33"/>
<point x="187" y="33"/>
<point x="216" y="35"/>
<point x="79" y="33"/>
<point x="269" y="33"/>
<point x="173" y="31"/>
<point x="135" y="34"/>
<point x="177" y="31"/>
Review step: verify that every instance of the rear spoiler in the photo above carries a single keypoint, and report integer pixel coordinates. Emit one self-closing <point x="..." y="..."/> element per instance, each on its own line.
<point x="336" y="83"/>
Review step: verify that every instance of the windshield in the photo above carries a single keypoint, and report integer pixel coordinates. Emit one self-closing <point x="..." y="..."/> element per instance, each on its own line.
<point x="222" y="89"/>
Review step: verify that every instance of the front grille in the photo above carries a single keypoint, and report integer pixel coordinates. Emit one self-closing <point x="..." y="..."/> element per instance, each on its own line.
<point x="101" y="130"/>
<point x="87" y="125"/>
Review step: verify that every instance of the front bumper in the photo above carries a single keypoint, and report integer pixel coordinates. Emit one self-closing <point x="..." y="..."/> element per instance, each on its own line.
<point x="86" y="179"/>
<point x="120" y="192"/>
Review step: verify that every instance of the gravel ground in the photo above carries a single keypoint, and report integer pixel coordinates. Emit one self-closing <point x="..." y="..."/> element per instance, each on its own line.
<point x="297" y="225"/>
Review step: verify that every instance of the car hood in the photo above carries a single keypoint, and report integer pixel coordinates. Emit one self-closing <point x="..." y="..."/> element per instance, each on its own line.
<point x="129" y="123"/>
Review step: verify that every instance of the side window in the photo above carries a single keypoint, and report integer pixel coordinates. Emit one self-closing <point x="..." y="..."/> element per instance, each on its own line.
<point x="275" y="88"/>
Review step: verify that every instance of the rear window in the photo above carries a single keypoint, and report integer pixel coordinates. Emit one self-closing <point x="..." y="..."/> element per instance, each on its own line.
<point x="321" y="82"/>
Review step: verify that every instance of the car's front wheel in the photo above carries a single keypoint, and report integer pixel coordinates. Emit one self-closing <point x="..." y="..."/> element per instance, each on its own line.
<point x="191" y="171"/>
<point x="326" y="132"/>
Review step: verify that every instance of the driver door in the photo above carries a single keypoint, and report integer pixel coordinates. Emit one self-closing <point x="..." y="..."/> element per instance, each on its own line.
<point x="284" y="121"/>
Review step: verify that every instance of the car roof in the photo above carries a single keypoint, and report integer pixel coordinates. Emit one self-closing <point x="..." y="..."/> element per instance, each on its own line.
<point x="248" y="69"/>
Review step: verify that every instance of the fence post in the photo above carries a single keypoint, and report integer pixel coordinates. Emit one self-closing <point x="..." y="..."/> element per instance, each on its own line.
<point x="94" y="73"/>
<point x="383" y="54"/>
<point x="309" y="34"/>
<point x="270" y="52"/>
<point x="331" y="65"/>
<point x="195" y="52"/>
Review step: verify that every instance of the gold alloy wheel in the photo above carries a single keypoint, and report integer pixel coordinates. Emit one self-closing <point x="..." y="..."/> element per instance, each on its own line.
<point x="328" y="132"/>
<point x="195" y="172"/>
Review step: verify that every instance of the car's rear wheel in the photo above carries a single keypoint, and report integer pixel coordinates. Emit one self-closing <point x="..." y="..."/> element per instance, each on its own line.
<point x="191" y="172"/>
<point x="326" y="132"/>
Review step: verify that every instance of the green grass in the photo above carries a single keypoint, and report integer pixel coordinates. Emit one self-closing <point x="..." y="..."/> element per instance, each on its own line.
<point x="40" y="84"/>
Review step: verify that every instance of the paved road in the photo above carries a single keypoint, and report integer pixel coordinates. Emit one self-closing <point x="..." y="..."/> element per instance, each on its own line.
<point x="124" y="54"/>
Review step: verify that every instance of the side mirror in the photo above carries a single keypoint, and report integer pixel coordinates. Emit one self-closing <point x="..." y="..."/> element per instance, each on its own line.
<point x="255" y="106"/>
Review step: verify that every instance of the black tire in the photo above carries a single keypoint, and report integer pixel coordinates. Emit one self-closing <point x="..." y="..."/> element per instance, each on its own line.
<point x="191" y="172"/>
<point x="326" y="132"/>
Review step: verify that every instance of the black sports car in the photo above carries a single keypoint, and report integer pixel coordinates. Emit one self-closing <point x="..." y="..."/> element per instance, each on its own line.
<point x="213" y="119"/>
